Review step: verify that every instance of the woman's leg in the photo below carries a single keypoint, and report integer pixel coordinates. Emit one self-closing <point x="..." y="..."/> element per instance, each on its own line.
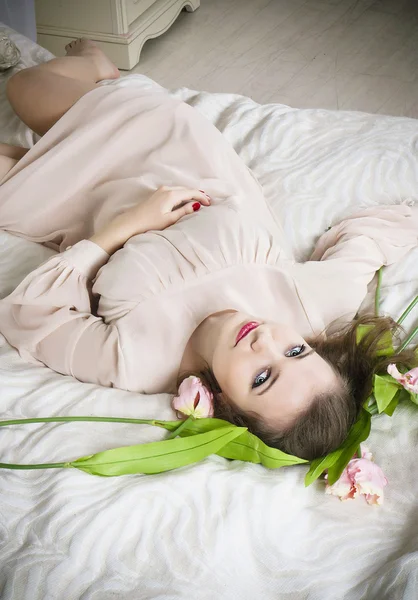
<point x="41" y="95"/>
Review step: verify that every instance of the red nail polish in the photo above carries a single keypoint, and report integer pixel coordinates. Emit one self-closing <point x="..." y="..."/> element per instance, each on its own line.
<point x="196" y="206"/>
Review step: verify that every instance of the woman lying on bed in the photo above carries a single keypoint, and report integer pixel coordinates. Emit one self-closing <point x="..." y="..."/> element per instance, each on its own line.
<point x="147" y="287"/>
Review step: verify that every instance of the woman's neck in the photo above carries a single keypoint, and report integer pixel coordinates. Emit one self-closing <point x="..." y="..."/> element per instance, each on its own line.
<point x="198" y="353"/>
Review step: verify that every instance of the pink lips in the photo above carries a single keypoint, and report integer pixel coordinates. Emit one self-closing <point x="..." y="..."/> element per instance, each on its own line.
<point x="246" y="330"/>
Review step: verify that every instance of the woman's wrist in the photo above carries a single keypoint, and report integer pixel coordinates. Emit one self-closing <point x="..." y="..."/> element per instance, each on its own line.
<point x="101" y="240"/>
<point x="108" y="241"/>
<point x="112" y="237"/>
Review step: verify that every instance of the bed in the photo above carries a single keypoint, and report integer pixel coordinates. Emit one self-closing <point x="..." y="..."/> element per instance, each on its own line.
<point x="220" y="529"/>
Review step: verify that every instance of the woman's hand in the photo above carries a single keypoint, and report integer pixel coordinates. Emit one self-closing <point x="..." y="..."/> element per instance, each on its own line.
<point x="164" y="208"/>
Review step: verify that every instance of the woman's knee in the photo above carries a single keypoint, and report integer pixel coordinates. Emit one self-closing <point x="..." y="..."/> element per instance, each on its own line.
<point x="26" y="93"/>
<point x="11" y="85"/>
<point x="15" y="86"/>
<point x="41" y="97"/>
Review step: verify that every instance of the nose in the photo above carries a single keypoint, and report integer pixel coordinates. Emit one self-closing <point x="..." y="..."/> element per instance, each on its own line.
<point x="263" y="341"/>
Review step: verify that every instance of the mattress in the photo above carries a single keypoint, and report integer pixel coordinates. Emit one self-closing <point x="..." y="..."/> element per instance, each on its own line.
<point x="219" y="529"/>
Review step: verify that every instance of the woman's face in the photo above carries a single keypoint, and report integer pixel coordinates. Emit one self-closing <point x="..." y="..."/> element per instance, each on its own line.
<point x="266" y="368"/>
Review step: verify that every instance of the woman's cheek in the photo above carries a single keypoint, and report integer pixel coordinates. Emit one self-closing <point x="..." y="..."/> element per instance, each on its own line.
<point x="222" y="369"/>
<point x="233" y="376"/>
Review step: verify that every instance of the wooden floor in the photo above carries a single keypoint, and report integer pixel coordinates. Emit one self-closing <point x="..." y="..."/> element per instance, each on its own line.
<point x="337" y="54"/>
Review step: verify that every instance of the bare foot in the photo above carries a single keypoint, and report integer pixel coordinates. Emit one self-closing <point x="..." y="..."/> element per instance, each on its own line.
<point x="83" y="47"/>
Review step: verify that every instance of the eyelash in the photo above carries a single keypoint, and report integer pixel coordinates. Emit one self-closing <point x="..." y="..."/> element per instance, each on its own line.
<point x="255" y="384"/>
<point x="300" y="349"/>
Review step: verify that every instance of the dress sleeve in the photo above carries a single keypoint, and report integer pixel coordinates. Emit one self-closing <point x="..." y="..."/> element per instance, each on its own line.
<point x="351" y="252"/>
<point x="49" y="318"/>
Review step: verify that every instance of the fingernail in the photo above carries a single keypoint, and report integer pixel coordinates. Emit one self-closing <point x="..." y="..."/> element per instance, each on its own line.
<point x="196" y="206"/>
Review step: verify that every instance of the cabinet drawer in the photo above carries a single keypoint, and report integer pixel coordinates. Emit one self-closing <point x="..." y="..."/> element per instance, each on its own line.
<point x="135" y="8"/>
<point x="82" y="15"/>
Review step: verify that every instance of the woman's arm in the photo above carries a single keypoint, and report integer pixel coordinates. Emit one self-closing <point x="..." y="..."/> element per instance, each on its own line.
<point x="351" y="252"/>
<point x="49" y="315"/>
<point x="49" y="318"/>
<point x="372" y="238"/>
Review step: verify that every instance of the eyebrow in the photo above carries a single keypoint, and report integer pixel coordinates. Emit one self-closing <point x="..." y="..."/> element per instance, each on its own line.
<point x="275" y="378"/>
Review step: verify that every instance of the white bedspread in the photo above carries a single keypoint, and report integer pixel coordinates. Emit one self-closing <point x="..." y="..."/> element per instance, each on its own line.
<point x="220" y="529"/>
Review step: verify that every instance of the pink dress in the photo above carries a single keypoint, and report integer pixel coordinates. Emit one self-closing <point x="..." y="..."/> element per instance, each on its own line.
<point x="125" y="321"/>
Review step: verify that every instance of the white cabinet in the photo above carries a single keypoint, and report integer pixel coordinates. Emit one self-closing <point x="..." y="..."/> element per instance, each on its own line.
<point x="120" y="27"/>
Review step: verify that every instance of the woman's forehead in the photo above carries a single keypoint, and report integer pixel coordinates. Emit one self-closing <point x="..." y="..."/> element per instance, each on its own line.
<point x="296" y="388"/>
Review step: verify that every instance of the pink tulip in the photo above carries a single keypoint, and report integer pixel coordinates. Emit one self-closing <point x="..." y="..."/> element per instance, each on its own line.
<point x="343" y="488"/>
<point x="360" y="477"/>
<point x="409" y="380"/>
<point x="193" y="399"/>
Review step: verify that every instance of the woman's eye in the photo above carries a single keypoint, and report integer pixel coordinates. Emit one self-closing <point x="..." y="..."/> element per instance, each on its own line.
<point x="261" y="378"/>
<point x="295" y="351"/>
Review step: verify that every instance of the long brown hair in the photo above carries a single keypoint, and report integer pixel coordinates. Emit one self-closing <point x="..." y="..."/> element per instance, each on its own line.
<point x="325" y="424"/>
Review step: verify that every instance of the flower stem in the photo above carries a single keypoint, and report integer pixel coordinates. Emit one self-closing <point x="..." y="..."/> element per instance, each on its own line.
<point x="408" y="340"/>
<point x="377" y="294"/>
<point x="359" y="451"/>
<point x="69" y="419"/>
<point x="407" y="310"/>
<point x="40" y="466"/>
<point x="180" y="428"/>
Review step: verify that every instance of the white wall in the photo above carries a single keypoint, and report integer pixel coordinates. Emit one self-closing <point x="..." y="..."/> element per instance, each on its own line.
<point x="19" y="15"/>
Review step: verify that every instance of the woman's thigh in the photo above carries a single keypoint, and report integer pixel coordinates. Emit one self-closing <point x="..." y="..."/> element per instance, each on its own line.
<point x="40" y="97"/>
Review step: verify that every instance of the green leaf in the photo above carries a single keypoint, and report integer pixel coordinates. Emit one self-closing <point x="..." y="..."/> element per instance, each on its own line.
<point x="413" y="397"/>
<point x="196" y="426"/>
<point x="168" y="425"/>
<point x="339" y="459"/>
<point x="362" y="331"/>
<point x="250" y="448"/>
<point x="385" y="388"/>
<point x="157" y="457"/>
<point x="401" y="395"/>
<point x="246" y="447"/>
<point x="390" y="408"/>
<point x="371" y="406"/>
<point x="385" y="345"/>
